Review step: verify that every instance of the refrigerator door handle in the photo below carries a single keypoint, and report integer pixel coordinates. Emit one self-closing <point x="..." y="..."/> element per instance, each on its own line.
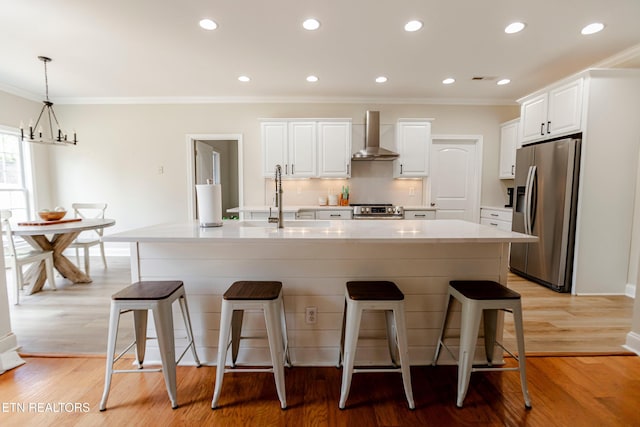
<point x="533" y="194"/>
<point x="527" y="200"/>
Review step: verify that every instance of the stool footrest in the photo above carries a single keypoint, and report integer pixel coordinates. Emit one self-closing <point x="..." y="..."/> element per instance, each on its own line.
<point x="376" y="369"/>
<point x="242" y="369"/>
<point x="136" y="371"/>
<point x="491" y="368"/>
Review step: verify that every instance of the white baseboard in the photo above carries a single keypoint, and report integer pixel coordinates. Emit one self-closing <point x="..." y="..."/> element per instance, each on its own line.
<point x="10" y="360"/>
<point x="8" y="342"/>
<point x="630" y="290"/>
<point x="9" y="357"/>
<point x="633" y="342"/>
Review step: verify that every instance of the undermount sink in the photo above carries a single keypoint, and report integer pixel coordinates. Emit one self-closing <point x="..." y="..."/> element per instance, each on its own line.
<point x="287" y="224"/>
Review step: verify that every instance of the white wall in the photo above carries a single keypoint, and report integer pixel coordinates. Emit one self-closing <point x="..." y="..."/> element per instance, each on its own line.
<point x="122" y="146"/>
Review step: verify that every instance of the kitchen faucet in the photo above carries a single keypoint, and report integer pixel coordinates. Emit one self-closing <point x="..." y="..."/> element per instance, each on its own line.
<point x="278" y="199"/>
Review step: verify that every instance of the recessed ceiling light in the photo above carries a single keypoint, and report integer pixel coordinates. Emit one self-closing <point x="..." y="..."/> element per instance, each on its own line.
<point x="596" y="27"/>
<point x="381" y="79"/>
<point x="311" y="24"/>
<point x="503" y="82"/>
<point x="515" y="27"/>
<point x="448" y="81"/>
<point x="208" y="24"/>
<point x="312" y="79"/>
<point x="412" y="26"/>
<point x="244" y="79"/>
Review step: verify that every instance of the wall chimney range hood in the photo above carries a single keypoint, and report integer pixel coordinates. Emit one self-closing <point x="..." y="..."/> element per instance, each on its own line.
<point x="372" y="149"/>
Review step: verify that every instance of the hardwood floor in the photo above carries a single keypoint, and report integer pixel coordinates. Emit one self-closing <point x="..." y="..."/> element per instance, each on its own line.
<point x="74" y="319"/>
<point x="565" y="391"/>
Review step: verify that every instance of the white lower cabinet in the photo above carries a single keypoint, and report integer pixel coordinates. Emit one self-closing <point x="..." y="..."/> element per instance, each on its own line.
<point x="330" y="214"/>
<point x="420" y="214"/>
<point x="262" y="215"/>
<point x="304" y="214"/>
<point x="496" y="217"/>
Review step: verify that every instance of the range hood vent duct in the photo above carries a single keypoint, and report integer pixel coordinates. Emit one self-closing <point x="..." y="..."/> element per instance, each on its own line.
<point x="372" y="149"/>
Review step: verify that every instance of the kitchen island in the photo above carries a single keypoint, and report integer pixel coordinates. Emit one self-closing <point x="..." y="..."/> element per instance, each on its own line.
<point x="314" y="260"/>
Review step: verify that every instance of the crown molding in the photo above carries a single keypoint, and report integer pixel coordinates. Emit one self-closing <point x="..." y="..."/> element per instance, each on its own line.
<point x="282" y="100"/>
<point x="619" y="58"/>
<point x="20" y="92"/>
<point x="156" y="100"/>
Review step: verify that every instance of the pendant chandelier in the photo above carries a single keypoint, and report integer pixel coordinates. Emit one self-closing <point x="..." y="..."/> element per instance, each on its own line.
<point x="44" y="131"/>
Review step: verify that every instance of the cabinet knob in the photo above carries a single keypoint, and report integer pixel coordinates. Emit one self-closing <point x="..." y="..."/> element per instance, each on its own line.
<point x="542" y="129"/>
<point x="549" y="127"/>
<point x="432" y="204"/>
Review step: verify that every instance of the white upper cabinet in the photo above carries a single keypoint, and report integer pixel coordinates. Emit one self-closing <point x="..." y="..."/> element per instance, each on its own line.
<point x="274" y="146"/>
<point x="302" y="150"/>
<point x="306" y="148"/>
<point x="413" y="142"/>
<point x="508" y="146"/>
<point x="555" y="112"/>
<point x="334" y="146"/>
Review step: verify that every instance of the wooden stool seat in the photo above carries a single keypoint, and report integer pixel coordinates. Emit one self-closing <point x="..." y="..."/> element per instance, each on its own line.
<point x="253" y="295"/>
<point x="253" y="290"/>
<point x="483" y="289"/>
<point x="382" y="296"/>
<point x="481" y="300"/>
<point x="148" y="290"/>
<point x="374" y="291"/>
<point x="140" y="298"/>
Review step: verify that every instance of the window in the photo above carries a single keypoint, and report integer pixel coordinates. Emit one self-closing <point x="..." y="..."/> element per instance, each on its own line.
<point x="15" y="173"/>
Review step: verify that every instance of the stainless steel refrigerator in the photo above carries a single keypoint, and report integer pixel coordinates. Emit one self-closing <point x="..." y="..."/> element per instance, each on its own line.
<point x="546" y="181"/>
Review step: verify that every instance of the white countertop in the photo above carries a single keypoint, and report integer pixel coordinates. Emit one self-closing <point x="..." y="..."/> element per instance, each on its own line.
<point x="289" y="208"/>
<point x="435" y="231"/>
<point x="316" y="208"/>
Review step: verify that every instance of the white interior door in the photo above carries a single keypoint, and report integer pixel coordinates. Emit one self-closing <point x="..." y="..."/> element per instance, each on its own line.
<point x="456" y="165"/>
<point x="205" y="168"/>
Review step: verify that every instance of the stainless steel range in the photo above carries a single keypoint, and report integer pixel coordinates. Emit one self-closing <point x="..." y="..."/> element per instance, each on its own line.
<point x="377" y="211"/>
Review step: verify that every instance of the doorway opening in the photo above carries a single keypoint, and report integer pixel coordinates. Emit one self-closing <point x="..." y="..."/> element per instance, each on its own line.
<point x="217" y="157"/>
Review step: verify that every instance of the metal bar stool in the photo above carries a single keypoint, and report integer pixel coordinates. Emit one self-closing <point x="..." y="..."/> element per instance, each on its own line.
<point x="374" y="295"/>
<point x="140" y="297"/>
<point x="483" y="299"/>
<point x="253" y="295"/>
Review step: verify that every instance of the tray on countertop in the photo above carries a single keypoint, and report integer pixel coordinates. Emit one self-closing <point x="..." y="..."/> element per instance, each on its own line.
<point x="59" y="221"/>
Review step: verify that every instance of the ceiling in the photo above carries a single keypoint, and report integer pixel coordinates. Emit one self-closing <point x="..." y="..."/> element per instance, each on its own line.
<point x="146" y="50"/>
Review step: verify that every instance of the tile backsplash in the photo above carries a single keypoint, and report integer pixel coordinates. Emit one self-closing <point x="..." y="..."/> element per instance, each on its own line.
<point x="370" y="182"/>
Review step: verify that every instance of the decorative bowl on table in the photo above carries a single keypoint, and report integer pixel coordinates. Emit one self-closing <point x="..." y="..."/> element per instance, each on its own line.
<point x="52" y="215"/>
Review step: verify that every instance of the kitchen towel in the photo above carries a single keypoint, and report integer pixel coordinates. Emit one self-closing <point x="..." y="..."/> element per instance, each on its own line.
<point x="209" y="198"/>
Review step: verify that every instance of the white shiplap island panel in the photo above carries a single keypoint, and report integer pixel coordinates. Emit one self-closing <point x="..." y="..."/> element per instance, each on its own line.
<point x="314" y="260"/>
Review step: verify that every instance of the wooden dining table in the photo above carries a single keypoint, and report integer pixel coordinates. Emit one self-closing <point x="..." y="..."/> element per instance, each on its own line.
<point x="55" y="236"/>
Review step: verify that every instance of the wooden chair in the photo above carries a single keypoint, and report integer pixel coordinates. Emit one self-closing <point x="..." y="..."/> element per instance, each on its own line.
<point x="17" y="256"/>
<point x="86" y="211"/>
